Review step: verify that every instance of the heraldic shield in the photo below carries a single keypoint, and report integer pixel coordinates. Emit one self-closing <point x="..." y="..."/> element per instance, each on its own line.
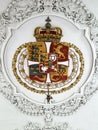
<point x="48" y="63"/>
<point x="53" y="63"/>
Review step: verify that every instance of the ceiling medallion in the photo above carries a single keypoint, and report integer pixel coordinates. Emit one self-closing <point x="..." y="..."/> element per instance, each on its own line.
<point x="48" y="65"/>
<point x="33" y="79"/>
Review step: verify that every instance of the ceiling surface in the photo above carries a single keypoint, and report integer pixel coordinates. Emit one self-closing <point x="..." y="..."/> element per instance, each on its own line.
<point x="85" y="118"/>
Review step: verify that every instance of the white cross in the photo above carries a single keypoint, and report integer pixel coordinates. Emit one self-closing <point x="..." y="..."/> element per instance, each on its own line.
<point x="66" y="63"/>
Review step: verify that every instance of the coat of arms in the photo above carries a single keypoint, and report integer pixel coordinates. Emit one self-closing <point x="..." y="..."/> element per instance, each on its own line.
<point x="48" y="65"/>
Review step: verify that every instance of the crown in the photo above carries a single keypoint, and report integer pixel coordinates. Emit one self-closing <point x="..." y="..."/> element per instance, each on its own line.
<point x="48" y="33"/>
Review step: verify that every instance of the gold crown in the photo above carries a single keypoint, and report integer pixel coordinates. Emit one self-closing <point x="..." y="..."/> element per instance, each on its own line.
<point x="48" y="33"/>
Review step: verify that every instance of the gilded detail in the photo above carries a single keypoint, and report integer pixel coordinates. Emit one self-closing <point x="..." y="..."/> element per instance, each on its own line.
<point x="48" y="66"/>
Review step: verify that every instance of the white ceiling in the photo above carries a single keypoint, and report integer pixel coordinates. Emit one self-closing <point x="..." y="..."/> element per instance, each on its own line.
<point x="86" y="118"/>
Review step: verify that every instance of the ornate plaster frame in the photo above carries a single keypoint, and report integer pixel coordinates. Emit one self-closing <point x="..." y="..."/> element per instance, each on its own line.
<point x="76" y="12"/>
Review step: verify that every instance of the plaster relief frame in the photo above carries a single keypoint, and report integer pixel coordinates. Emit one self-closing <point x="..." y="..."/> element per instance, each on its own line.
<point x="75" y="11"/>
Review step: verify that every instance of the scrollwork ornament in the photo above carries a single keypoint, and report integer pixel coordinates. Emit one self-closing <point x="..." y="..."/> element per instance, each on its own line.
<point x="56" y="126"/>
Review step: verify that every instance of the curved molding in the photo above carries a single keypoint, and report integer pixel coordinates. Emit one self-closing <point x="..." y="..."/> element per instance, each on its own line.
<point x="74" y="10"/>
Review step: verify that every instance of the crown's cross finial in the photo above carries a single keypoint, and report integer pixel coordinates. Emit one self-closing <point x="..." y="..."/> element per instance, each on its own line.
<point x="48" y="20"/>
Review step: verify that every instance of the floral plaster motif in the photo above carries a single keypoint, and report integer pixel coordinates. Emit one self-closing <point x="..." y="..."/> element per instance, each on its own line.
<point x="56" y="126"/>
